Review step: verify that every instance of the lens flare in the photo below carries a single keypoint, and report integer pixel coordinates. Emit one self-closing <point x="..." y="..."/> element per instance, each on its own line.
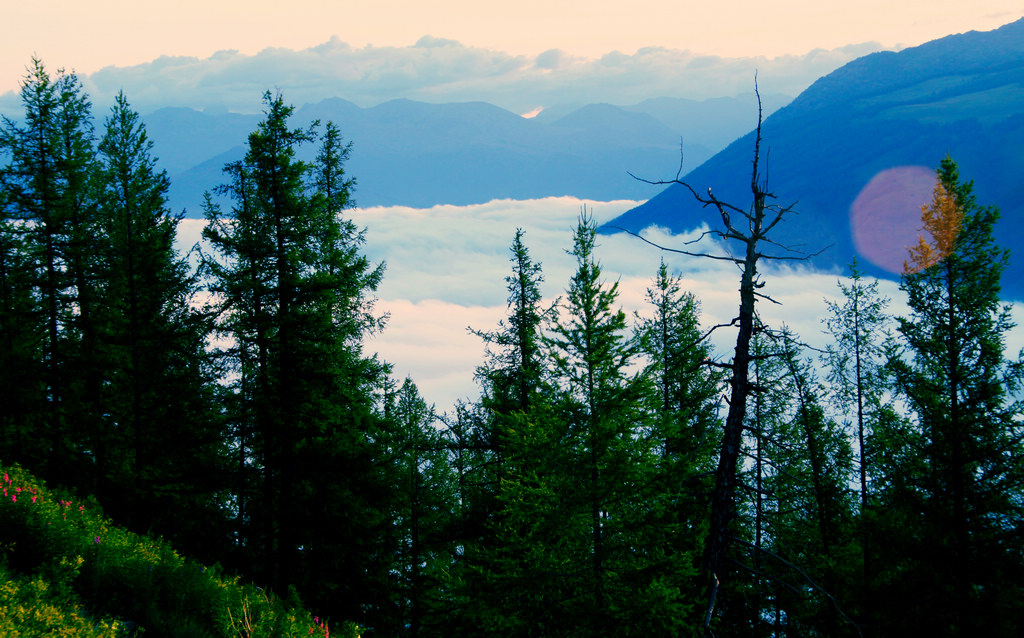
<point x="885" y="219"/>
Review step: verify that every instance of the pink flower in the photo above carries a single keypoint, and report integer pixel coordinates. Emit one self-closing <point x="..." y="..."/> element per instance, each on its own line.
<point x="14" y="498"/>
<point x="33" y="499"/>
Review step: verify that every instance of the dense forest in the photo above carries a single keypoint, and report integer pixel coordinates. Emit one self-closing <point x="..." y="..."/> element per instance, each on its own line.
<point x="616" y="476"/>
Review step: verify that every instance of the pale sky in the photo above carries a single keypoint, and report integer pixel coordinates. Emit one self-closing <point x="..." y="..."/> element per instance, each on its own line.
<point x="86" y="35"/>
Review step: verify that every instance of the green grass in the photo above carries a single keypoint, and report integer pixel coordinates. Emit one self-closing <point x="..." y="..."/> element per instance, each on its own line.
<point x="66" y="570"/>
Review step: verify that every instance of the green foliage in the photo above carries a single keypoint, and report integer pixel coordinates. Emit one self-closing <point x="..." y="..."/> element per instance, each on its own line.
<point x="50" y="207"/>
<point x="959" y="495"/>
<point x="63" y="556"/>
<point x="111" y="394"/>
<point x="294" y="301"/>
<point x="38" y="608"/>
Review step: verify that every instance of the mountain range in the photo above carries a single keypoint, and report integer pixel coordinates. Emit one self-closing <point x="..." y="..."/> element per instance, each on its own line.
<point x="418" y="154"/>
<point x="855" y="153"/>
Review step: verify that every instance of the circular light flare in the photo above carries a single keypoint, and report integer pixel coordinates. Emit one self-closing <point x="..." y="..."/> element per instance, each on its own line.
<point x="885" y="218"/>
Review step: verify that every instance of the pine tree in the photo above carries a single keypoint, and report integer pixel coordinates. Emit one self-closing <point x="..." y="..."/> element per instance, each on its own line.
<point x="858" y="385"/>
<point x="605" y="409"/>
<point x="50" y="201"/>
<point x="296" y="301"/>
<point x="965" y="547"/>
<point x="162" y="447"/>
<point x="686" y="425"/>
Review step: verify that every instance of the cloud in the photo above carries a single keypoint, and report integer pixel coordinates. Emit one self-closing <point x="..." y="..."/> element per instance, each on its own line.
<point x="446" y="267"/>
<point x="442" y="70"/>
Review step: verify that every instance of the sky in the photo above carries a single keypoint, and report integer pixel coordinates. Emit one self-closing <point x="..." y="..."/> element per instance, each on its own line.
<point x="390" y="44"/>
<point x="91" y="34"/>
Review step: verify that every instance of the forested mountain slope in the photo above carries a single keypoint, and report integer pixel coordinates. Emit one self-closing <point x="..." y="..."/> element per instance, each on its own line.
<point x="961" y="96"/>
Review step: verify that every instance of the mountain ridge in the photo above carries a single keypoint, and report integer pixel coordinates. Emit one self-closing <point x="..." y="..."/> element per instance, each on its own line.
<point x="961" y="96"/>
<point x="423" y="154"/>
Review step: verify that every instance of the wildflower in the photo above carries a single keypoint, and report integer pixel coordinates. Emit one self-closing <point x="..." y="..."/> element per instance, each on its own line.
<point x="33" y="498"/>
<point x="96" y="540"/>
<point x="14" y="498"/>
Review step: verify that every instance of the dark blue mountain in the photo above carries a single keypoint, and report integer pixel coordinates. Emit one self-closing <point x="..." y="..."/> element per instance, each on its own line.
<point x="874" y="129"/>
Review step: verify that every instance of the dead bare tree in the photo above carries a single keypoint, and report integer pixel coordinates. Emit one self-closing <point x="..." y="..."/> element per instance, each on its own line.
<point x="747" y="229"/>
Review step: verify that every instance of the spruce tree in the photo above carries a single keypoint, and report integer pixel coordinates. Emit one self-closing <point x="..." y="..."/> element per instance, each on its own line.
<point x="962" y="565"/>
<point x="163" y="451"/>
<point x="419" y="584"/>
<point x="51" y="203"/>
<point x="509" y="576"/>
<point x="859" y="389"/>
<point x="606" y="432"/>
<point x="686" y="423"/>
<point x="22" y="393"/>
<point x="296" y="301"/>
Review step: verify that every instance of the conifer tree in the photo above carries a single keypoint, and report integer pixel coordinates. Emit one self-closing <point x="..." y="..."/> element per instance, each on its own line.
<point x="296" y="301"/>
<point x="688" y="393"/>
<point x="813" y="475"/>
<point x="605" y="410"/>
<point x="419" y="585"/>
<point x="960" y="572"/>
<point x="686" y="423"/>
<point x="163" y="448"/>
<point x="748" y="228"/>
<point x="51" y="206"/>
<point x="21" y="357"/>
<point x="858" y="384"/>
<point x="513" y="375"/>
<point x="510" y="573"/>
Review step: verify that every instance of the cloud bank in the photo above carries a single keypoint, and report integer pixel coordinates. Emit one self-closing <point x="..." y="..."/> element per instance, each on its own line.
<point x="439" y="70"/>
<point x="446" y="267"/>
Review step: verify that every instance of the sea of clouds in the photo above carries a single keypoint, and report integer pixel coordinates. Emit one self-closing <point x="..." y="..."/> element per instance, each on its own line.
<point x="438" y="70"/>
<point x="446" y="269"/>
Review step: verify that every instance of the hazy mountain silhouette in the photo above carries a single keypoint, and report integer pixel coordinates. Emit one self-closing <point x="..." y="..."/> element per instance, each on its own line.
<point x="418" y="154"/>
<point x="961" y="96"/>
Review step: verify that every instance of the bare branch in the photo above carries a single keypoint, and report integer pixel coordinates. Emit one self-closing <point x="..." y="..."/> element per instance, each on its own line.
<point x="675" y="250"/>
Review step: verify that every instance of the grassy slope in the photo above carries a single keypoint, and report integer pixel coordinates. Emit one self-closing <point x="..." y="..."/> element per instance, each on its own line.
<point x="65" y="570"/>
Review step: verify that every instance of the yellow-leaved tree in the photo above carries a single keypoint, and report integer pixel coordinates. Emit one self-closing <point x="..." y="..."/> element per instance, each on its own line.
<point x="942" y="220"/>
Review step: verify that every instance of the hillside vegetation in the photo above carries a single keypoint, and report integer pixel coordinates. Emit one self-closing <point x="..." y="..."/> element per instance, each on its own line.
<point x="67" y="570"/>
